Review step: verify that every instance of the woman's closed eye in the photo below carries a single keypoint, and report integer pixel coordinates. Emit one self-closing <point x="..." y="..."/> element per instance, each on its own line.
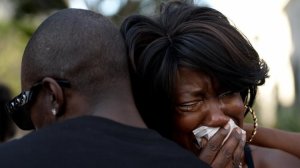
<point x="189" y="106"/>
<point x="228" y="96"/>
<point x="228" y="93"/>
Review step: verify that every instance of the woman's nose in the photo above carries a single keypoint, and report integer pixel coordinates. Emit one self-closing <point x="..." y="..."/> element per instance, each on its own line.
<point x="215" y="114"/>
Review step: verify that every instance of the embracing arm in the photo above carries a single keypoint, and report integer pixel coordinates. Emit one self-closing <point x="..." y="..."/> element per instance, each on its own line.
<point x="275" y="138"/>
<point x="274" y="158"/>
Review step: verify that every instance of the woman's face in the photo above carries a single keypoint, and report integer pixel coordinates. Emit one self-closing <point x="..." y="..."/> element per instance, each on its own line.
<point x="201" y="101"/>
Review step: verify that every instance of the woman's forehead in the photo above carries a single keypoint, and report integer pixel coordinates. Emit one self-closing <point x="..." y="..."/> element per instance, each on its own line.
<point x="188" y="78"/>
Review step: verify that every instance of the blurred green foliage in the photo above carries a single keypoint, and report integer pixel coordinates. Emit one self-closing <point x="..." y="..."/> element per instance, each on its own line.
<point x="288" y="119"/>
<point x="15" y="33"/>
<point x="36" y="7"/>
<point x="12" y="44"/>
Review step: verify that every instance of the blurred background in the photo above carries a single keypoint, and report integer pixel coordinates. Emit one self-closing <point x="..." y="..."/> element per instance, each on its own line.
<point x="271" y="26"/>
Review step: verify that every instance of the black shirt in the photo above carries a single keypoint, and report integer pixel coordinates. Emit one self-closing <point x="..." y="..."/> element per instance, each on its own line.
<point x="88" y="142"/>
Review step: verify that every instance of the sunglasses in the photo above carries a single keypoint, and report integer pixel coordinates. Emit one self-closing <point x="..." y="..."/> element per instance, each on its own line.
<point x="19" y="107"/>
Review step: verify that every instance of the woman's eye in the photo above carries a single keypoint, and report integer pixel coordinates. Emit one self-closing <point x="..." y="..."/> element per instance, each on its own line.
<point x="229" y="96"/>
<point x="188" y="107"/>
<point x="227" y="93"/>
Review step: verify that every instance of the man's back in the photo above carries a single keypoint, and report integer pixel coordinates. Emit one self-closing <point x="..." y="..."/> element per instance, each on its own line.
<point x="95" y="142"/>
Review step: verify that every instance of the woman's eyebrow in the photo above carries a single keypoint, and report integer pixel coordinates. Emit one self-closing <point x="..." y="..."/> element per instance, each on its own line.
<point x="191" y="94"/>
<point x="198" y="93"/>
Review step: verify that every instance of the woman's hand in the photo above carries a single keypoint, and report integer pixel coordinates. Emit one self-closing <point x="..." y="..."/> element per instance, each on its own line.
<point x="227" y="154"/>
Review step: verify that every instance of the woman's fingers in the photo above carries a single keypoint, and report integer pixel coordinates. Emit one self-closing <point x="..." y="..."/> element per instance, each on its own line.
<point x="239" y="152"/>
<point x="230" y="154"/>
<point x="213" y="146"/>
<point x="231" y="151"/>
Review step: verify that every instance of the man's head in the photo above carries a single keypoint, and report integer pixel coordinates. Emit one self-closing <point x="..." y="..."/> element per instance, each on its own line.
<point x="73" y="61"/>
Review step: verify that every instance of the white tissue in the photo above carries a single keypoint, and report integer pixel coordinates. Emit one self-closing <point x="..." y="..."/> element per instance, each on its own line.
<point x="208" y="132"/>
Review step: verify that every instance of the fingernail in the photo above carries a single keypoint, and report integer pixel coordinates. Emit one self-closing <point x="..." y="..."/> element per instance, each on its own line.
<point x="238" y="130"/>
<point x="244" y="135"/>
<point x="243" y="131"/>
<point x="227" y="126"/>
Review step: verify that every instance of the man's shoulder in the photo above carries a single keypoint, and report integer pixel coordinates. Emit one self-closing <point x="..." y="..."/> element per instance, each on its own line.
<point x="76" y="144"/>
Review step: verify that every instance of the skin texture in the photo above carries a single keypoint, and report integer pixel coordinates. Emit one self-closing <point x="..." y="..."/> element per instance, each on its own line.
<point x="78" y="46"/>
<point x="50" y="97"/>
<point x="265" y="138"/>
<point x="70" y="104"/>
<point x="200" y="101"/>
<point x="275" y="158"/>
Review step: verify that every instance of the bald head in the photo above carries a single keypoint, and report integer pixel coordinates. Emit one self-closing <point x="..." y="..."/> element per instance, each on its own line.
<point x="77" y="45"/>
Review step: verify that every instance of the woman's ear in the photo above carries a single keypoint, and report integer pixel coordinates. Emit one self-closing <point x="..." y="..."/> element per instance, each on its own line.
<point x="55" y="94"/>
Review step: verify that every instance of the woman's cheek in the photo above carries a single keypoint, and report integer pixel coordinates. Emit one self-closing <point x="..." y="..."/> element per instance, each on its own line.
<point x="186" y="140"/>
<point x="235" y="110"/>
<point x="183" y="132"/>
<point x="186" y="122"/>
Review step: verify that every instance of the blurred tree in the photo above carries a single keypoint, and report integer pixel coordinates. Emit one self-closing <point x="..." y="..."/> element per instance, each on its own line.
<point x="36" y="7"/>
<point x="126" y="8"/>
<point x="29" y="11"/>
<point x="129" y="8"/>
<point x="27" y="15"/>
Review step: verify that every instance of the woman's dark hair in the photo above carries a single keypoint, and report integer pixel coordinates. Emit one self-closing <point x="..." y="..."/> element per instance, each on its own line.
<point x="185" y="35"/>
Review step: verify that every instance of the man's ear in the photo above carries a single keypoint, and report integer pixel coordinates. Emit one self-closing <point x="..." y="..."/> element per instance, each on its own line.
<point x="55" y="94"/>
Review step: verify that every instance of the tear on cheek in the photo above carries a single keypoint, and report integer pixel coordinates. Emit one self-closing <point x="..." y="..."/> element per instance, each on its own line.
<point x="204" y="133"/>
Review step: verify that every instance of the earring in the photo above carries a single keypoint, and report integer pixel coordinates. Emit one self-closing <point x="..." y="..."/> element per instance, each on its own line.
<point x="255" y="124"/>
<point x="54" y="112"/>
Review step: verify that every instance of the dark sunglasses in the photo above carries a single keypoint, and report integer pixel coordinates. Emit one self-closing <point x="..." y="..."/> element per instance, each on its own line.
<point x="19" y="107"/>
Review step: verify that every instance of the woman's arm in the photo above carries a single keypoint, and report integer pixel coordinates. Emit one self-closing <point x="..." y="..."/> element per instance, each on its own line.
<point x="275" y="138"/>
<point x="274" y="158"/>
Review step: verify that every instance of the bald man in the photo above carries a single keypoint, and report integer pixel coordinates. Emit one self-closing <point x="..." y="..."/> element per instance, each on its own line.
<point x="77" y="96"/>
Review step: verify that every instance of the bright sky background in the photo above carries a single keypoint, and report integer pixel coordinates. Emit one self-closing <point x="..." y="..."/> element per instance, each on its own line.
<point x="107" y="7"/>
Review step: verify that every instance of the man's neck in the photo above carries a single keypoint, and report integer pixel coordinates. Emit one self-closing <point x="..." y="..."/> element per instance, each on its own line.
<point x="122" y="111"/>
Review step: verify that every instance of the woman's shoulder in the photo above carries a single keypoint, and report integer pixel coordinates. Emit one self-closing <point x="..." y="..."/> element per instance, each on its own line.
<point x="269" y="157"/>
